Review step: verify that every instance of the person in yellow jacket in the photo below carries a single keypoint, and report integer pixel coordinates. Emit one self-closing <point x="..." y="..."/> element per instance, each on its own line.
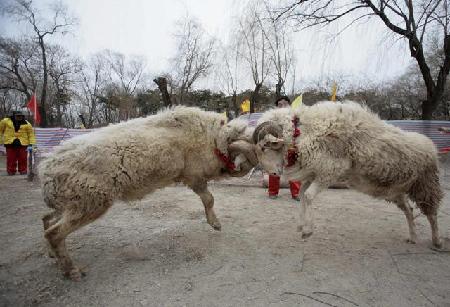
<point x="17" y="134"/>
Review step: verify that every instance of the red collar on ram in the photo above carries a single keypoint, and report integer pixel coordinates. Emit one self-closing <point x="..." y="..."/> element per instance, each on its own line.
<point x="225" y="159"/>
<point x="292" y="153"/>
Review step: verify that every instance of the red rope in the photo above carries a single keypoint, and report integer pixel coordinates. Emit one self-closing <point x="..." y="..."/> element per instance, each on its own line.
<point x="225" y="159"/>
<point x="292" y="153"/>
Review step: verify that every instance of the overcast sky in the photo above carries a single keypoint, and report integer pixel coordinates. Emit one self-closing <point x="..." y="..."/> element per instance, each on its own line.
<point x="146" y="27"/>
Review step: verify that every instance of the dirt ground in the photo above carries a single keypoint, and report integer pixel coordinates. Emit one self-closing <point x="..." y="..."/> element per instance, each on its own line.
<point x="161" y="252"/>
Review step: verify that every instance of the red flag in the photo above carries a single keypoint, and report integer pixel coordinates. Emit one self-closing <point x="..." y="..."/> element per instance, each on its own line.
<point x="33" y="107"/>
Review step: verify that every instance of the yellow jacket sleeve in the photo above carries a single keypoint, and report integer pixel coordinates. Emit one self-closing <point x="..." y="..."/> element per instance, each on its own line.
<point x="2" y="131"/>
<point x="31" y="136"/>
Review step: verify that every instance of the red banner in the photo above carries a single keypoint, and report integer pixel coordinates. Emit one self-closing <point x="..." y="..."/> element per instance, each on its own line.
<point x="33" y="107"/>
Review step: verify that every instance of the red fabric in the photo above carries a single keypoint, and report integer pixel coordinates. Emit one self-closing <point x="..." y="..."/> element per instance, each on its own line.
<point x="295" y="187"/>
<point x="274" y="185"/>
<point x="225" y="159"/>
<point x="16" y="156"/>
<point x="291" y="156"/>
<point x="297" y="132"/>
<point x="33" y="107"/>
<point x="292" y="153"/>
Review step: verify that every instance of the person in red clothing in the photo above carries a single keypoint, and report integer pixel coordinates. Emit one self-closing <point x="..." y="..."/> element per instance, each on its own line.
<point x="274" y="181"/>
<point x="16" y="134"/>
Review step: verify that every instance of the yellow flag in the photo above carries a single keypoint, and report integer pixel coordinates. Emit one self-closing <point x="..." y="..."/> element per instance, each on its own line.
<point x="297" y="102"/>
<point x="245" y="106"/>
<point x="333" y="92"/>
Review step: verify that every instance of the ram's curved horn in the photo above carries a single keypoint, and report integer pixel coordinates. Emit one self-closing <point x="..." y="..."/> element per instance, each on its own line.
<point x="245" y="148"/>
<point x="265" y="128"/>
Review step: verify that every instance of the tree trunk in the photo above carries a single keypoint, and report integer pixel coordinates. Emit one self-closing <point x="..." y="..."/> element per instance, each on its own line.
<point x="428" y="109"/>
<point x="90" y="121"/>
<point x="234" y="104"/>
<point x="87" y="126"/>
<point x="277" y="91"/>
<point x="278" y="88"/>
<point x="435" y="90"/>
<point x="181" y="96"/>
<point x="255" y="97"/>
<point x="59" y="115"/>
<point x="42" y="106"/>
<point x="162" y="85"/>
<point x="447" y="110"/>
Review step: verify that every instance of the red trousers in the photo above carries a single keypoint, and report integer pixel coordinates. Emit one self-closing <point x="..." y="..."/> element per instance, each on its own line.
<point x="274" y="186"/>
<point x="16" y="158"/>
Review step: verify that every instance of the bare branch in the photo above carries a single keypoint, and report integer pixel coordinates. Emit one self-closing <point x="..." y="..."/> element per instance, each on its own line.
<point x="412" y="20"/>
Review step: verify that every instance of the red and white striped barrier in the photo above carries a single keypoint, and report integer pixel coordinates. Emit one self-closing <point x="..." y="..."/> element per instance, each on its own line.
<point x="47" y="138"/>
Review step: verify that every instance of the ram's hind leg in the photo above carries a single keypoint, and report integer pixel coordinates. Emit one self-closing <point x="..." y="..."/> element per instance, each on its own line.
<point x="432" y="219"/>
<point x="49" y="220"/>
<point x="403" y="205"/>
<point x="427" y="193"/>
<point x="430" y="211"/>
<point x="70" y="221"/>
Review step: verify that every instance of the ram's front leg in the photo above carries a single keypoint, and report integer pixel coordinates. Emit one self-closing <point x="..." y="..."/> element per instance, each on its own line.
<point x="309" y="192"/>
<point x="301" y="222"/>
<point x="200" y="188"/>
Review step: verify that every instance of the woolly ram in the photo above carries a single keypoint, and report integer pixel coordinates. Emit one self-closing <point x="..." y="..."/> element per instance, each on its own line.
<point x="346" y="142"/>
<point x="127" y="161"/>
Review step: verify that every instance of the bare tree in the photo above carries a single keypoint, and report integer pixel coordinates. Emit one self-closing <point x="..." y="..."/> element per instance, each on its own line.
<point x="92" y="84"/>
<point x="413" y="21"/>
<point x="126" y="75"/>
<point x="194" y="55"/>
<point x="127" y="71"/>
<point x="161" y="82"/>
<point x="228" y="70"/>
<point x="62" y="69"/>
<point x="10" y="100"/>
<point x="19" y="66"/>
<point x="278" y="39"/>
<point x="60" y="22"/>
<point x="255" y="50"/>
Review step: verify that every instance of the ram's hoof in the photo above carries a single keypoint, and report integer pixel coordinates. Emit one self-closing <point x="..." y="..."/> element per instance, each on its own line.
<point x="411" y="241"/>
<point x="306" y="234"/>
<point x="74" y="274"/>
<point x="437" y="246"/>
<point x="216" y="226"/>
<point x="305" y="231"/>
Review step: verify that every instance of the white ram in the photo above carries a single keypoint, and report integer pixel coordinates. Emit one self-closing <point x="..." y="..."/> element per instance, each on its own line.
<point x="346" y="142"/>
<point x="127" y="161"/>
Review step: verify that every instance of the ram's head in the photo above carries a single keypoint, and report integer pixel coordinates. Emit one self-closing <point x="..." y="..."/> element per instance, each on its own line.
<point x="266" y="147"/>
<point x="269" y="147"/>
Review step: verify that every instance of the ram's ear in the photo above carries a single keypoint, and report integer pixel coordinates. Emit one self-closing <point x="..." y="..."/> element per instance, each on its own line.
<point x="246" y="148"/>
<point x="273" y="142"/>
